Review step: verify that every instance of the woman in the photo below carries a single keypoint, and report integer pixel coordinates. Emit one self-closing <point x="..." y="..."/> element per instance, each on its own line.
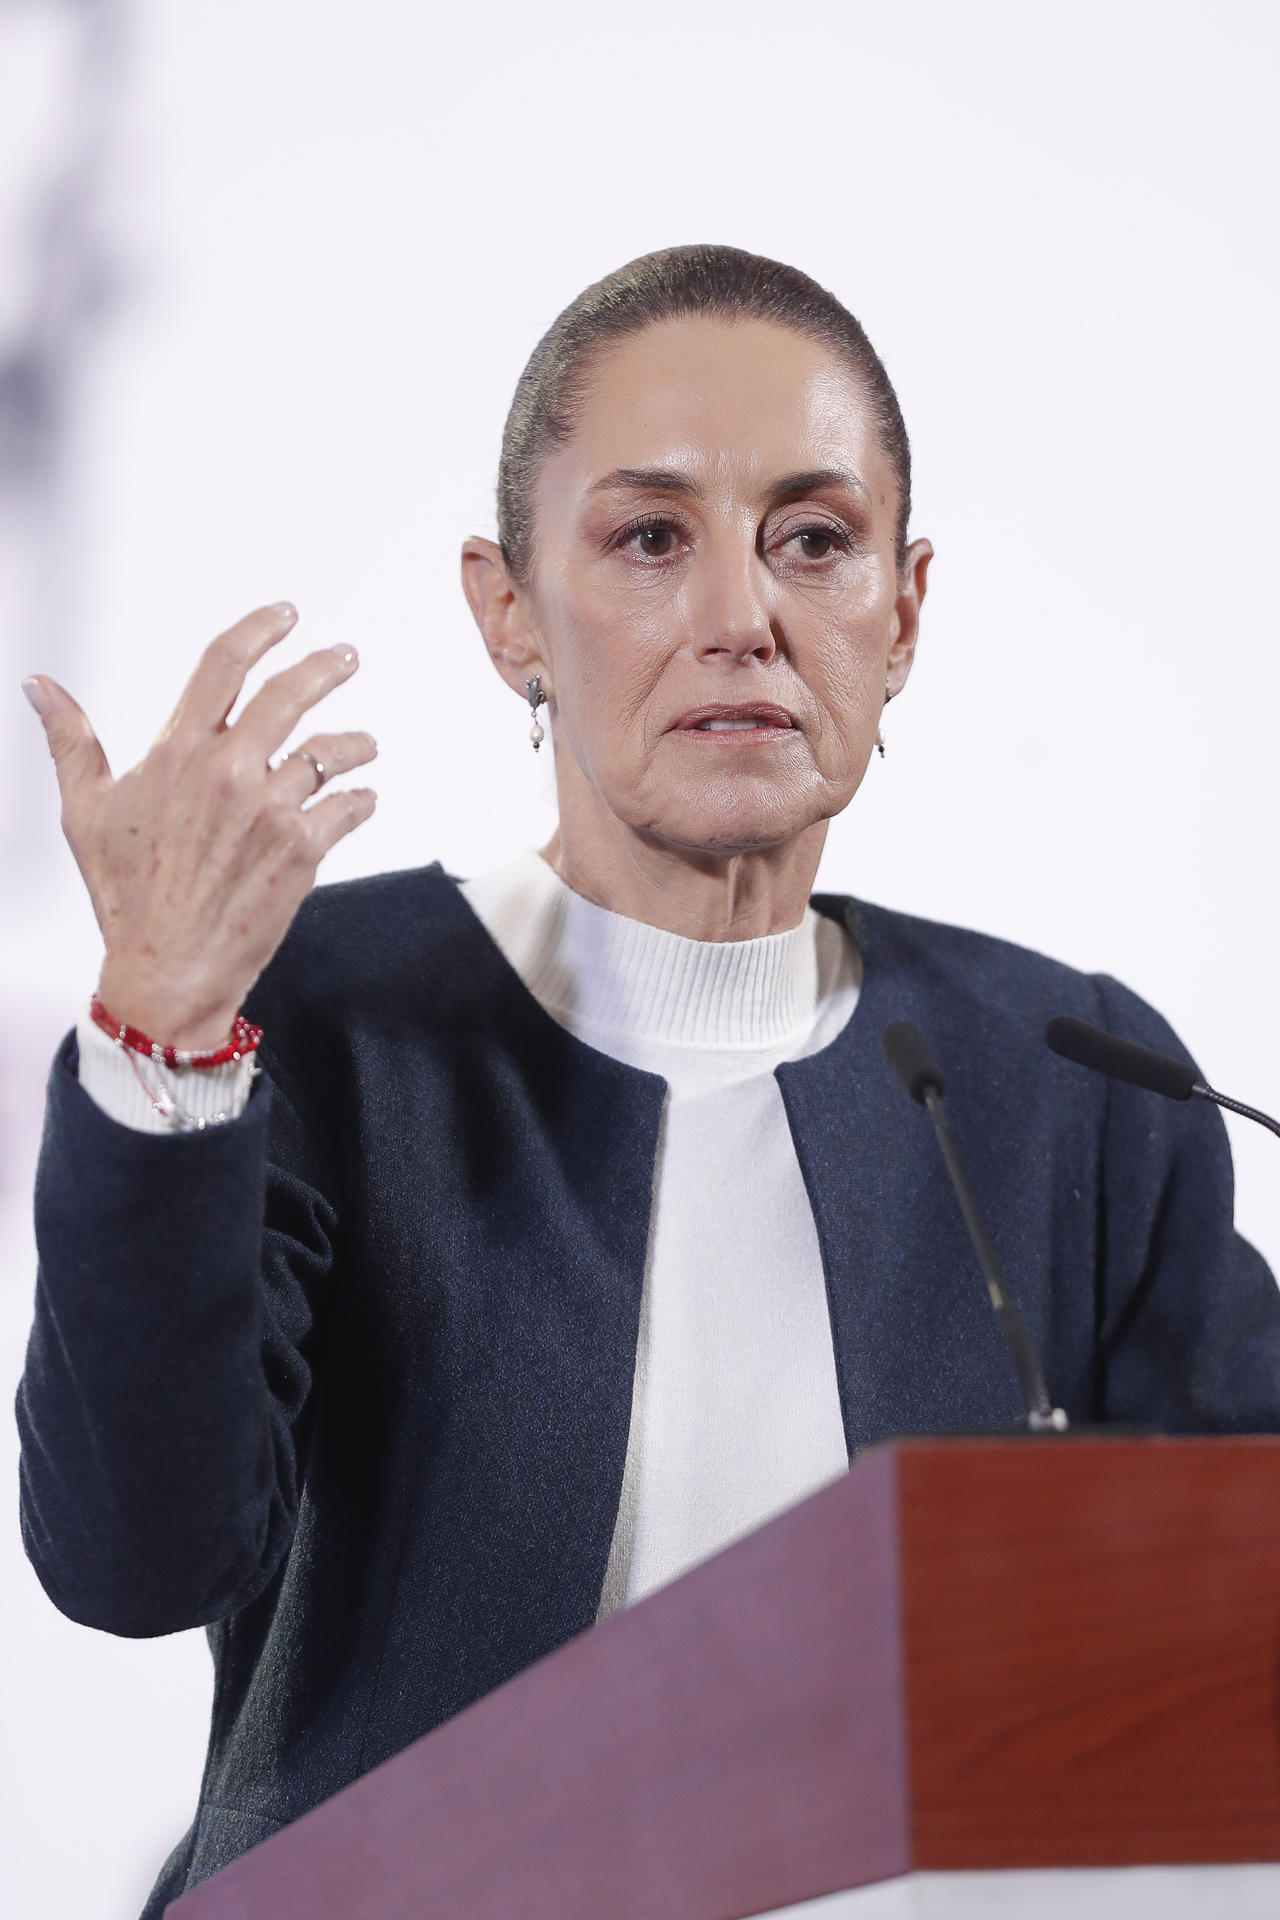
<point x="574" y="1224"/>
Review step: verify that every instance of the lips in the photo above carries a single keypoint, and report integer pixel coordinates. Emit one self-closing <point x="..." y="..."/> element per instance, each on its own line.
<point x="735" y="717"/>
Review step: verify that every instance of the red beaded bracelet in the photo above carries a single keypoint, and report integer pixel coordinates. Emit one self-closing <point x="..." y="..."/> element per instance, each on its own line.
<point x="244" y="1039"/>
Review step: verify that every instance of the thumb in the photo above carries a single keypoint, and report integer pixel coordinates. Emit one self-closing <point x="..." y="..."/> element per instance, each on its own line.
<point x="78" y="759"/>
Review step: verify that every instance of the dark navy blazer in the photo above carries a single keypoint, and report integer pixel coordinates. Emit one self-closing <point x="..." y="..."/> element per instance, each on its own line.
<point x="348" y="1380"/>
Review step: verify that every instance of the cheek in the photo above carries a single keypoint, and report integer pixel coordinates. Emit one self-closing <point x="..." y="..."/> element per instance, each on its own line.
<point x="610" y="652"/>
<point x="846" y="675"/>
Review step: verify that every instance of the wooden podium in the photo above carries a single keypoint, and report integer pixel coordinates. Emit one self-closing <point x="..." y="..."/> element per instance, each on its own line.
<point x="962" y="1654"/>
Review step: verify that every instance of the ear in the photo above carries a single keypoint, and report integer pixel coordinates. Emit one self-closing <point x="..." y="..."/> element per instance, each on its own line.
<point x="905" y="627"/>
<point x="501" y="612"/>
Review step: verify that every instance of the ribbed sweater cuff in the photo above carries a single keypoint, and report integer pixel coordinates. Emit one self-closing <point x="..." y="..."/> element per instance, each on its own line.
<point x="117" y="1081"/>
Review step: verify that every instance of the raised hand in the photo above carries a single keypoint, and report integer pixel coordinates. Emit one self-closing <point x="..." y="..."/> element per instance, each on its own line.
<point x="197" y="860"/>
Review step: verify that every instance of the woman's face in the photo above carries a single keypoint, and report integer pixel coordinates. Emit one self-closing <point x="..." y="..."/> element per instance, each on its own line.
<point x="714" y="602"/>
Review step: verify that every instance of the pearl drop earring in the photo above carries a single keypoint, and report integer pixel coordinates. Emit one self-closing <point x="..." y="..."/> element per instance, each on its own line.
<point x="536" y="697"/>
<point x="879" y="736"/>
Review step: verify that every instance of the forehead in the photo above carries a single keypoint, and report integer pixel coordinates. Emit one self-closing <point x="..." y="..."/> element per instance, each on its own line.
<point x="740" y="399"/>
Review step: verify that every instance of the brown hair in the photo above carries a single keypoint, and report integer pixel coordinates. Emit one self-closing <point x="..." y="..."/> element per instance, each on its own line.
<point x="722" y="282"/>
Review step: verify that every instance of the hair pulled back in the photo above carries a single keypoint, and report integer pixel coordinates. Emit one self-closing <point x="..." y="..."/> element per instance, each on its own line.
<point x="720" y="282"/>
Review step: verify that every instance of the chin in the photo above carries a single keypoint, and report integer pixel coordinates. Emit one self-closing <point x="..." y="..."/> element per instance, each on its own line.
<point x="755" y="825"/>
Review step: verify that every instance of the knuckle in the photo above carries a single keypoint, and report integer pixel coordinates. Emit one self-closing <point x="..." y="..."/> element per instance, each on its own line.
<point x="275" y="823"/>
<point x="279" y="800"/>
<point x="302" y="673"/>
<point x="224" y="779"/>
<point x="285" y="694"/>
<point x="270" y="700"/>
<point x="304" y="844"/>
<point x="307" y="843"/>
<point x="231" y="778"/>
<point x="296" y="824"/>
<point x="64" y="730"/>
<point x="226" y="651"/>
<point x="166" y="754"/>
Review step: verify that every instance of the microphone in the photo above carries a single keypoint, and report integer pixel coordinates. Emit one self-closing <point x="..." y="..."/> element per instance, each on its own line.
<point x="1090" y="1046"/>
<point x="907" y="1053"/>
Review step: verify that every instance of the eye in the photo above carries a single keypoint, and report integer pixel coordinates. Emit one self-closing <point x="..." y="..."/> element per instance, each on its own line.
<point x="818" y="542"/>
<point x="657" y="536"/>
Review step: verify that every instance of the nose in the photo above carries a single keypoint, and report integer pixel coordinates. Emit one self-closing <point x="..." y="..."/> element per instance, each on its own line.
<point x="734" y="612"/>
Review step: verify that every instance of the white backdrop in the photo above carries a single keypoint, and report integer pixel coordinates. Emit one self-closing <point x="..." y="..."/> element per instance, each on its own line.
<point x="270" y="271"/>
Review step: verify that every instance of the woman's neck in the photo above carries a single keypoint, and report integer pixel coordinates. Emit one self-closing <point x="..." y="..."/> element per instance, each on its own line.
<point x="704" y="896"/>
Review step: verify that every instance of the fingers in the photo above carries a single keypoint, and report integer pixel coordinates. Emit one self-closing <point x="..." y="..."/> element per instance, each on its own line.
<point x="330" y="754"/>
<point x="275" y="710"/>
<point x="215" y="685"/>
<point x="337" y="815"/>
<point x="78" y="759"/>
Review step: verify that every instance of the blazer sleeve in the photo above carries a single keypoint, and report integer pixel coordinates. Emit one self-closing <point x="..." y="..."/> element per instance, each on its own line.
<point x="1188" y="1313"/>
<point x="164" y="1398"/>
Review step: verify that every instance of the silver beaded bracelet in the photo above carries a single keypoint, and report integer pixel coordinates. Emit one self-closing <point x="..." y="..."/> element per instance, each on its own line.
<point x="177" y="1117"/>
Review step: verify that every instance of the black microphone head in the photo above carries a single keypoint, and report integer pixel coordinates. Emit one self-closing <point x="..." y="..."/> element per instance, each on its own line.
<point x="1107" y="1053"/>
<point x="905" y="1050"/>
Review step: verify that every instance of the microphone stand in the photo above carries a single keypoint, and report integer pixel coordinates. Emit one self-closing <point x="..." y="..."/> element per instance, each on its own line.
<point x="905" y="1049"/>
<point x="1042" y="1415"/>
<point x="1235" y="1106"/>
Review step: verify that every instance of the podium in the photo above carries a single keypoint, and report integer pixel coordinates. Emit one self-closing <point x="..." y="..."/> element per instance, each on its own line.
<point x="963" y="1656"/>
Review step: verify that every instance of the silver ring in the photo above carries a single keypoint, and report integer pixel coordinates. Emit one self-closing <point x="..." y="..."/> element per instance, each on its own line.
<point x="303" y="754"/>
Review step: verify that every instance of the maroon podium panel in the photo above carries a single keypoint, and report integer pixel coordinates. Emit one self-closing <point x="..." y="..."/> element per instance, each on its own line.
<point x="962" y="1654"/>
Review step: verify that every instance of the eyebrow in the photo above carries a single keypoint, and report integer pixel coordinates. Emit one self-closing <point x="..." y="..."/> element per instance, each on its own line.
<point x="670" y="480"/>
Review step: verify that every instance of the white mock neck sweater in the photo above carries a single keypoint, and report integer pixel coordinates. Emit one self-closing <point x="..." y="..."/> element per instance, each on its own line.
<point x="735" y="1411"/>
